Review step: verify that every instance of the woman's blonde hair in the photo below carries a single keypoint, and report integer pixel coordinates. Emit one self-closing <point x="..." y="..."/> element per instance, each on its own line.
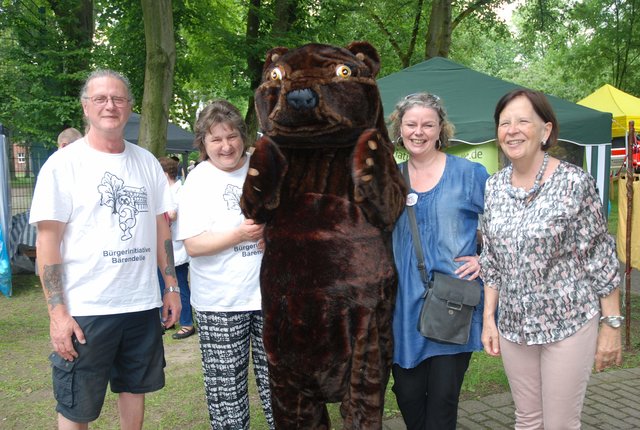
<point x="425" y="100"/>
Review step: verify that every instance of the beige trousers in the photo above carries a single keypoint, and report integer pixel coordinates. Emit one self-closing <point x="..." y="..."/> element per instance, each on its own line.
<point x="548" y="382"/>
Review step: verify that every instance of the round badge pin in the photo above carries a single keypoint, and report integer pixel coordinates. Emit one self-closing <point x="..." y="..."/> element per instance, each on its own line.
<point x="412" y="199"/>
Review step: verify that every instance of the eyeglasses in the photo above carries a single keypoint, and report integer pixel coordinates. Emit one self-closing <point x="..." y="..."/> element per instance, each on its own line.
<point x="102" y="100"/>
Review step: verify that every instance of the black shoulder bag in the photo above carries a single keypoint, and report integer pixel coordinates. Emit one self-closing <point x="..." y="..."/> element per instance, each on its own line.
<point x="448" y="301"/>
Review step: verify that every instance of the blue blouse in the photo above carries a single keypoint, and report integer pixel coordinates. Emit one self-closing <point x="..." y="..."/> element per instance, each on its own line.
<point x="447" y="217"/>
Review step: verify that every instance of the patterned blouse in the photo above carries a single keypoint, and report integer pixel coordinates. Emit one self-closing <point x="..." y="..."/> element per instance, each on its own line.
<point x="551" y="257"/>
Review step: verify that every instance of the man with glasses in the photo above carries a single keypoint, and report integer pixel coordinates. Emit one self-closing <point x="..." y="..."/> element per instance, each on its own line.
<point x="99" y="207"/>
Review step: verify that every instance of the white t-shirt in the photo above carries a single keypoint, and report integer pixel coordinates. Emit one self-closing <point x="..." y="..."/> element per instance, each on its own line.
<point x="109" y="203"/>
<point x="180" y="255"/>
<point x="230" y="280"/>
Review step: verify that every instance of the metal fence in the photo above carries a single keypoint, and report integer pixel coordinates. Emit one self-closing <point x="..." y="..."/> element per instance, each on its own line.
<point x="24" y="165"/>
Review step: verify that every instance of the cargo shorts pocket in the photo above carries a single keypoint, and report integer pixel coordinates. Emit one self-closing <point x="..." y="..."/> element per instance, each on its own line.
<point x="62" y="374"/>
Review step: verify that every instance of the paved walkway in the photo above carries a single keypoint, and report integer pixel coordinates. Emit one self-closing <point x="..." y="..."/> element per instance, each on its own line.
<point x="612" y="402"/>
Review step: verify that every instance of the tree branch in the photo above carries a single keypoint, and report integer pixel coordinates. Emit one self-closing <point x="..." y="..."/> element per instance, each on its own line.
<point x="392" y="40"/>
<point x="473" y="7"/>
<point x="414" y="32"/>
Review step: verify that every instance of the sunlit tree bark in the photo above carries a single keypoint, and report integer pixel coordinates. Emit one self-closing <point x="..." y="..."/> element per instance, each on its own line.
<point x="158" y="77"/>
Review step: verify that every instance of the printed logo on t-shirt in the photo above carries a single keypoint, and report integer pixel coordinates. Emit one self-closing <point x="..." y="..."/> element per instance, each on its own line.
<point x="124" y="201"/>
<point x="232" y="196"/>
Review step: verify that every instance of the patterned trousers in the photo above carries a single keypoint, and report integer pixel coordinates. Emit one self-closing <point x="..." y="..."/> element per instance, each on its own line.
<point x="225" y="341"/>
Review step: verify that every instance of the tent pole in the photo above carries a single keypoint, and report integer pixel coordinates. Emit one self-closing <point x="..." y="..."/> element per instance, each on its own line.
<point x="631" y="138"/>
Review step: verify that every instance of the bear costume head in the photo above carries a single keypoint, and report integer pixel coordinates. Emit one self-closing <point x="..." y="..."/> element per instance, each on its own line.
<point x="319" y="95"/>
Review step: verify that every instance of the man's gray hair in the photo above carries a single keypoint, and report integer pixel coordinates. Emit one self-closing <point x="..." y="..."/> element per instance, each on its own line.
<point x="106" y="73"/>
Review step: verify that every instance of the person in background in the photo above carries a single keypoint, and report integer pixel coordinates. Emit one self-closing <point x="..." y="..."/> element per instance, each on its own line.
<point x="67" y="136"/>
<point x="550" y="270"/>
<point x="181" y="258"/>
<point x="225" y="268"/>
<point x="447" y="193"/>
<point x="98" y="206"/>
<point x="180" y="175"/>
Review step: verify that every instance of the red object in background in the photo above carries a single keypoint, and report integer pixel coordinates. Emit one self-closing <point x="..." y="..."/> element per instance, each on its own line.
<point x="622" y="152"/>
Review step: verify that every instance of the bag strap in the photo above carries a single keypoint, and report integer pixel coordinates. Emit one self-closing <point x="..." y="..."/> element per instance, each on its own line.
<point x="417" y="244"/>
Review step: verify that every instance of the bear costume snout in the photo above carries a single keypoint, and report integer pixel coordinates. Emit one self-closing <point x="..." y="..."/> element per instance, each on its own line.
<point x="302" y="99"/>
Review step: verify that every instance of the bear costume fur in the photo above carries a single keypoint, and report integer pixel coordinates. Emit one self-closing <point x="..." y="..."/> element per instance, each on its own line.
<point x="324" y="181"/>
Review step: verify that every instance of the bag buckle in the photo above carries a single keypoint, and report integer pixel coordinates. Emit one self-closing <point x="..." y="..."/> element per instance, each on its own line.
<point x="456" y="306"/>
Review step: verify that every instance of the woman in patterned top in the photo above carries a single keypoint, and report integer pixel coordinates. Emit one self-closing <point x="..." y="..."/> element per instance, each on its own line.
<point x="551" y="265"/>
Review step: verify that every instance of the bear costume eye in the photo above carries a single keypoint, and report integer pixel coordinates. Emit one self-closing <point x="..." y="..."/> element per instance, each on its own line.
<point x="277" y="74"/>
<point x="343" y="71"/>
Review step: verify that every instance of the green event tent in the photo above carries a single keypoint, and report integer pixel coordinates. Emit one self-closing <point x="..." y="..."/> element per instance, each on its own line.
<point x="470" y="98"/>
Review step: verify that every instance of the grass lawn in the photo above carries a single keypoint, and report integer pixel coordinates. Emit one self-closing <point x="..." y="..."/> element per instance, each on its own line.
<point x="613" y="218"/>
<point x="26" y="400"/>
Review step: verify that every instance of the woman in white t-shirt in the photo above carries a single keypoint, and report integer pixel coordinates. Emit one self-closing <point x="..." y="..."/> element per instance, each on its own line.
<point x="225" y="267"/>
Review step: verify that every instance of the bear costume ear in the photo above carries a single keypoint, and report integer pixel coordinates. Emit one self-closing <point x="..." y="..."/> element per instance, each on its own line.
<point x="365" y="52"/>
<point x="273" y="55"/>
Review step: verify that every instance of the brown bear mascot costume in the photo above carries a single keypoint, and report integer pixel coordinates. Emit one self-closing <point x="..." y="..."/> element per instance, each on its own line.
<point x="324" y="180"/>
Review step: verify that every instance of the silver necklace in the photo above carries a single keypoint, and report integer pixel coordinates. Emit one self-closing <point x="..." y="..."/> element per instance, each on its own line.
<point x="520" y="193"/>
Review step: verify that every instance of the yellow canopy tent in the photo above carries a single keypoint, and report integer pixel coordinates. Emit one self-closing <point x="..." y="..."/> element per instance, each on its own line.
<point x="624" y="107"/>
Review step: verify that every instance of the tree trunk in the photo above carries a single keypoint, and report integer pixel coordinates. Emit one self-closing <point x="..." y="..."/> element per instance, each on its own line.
<point x="285" y="16"/>
<point x="254" y="64"/>
<point x="285" y="11"/>
<point x="158" y="76"/>
<point x="438" y="37"/>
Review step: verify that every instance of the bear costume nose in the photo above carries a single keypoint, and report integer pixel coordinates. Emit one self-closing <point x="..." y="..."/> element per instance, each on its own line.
<point x="302" y="99"/>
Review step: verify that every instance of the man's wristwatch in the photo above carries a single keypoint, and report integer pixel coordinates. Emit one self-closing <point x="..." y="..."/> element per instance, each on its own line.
<point x="172" y="290"/>
<point x="614" y="321"/>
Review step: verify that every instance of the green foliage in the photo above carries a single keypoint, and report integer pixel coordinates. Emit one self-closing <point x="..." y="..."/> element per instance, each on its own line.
<point x="119" y="36"/>
<point x="37" y="94"/>
<point x="487" y="49"/>
<point x="612" y="36"/>
<point x="211" y="55"/>
<point x="542" y="27"/>
<point x="569" y="49"/>
<point x="389" y="26"/>
<point x="383" y="24"/>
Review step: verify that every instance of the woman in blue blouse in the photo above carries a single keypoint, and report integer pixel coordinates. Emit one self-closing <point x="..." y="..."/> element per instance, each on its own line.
<point x="550" y="263"/>
<point x="447" y="193"/>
